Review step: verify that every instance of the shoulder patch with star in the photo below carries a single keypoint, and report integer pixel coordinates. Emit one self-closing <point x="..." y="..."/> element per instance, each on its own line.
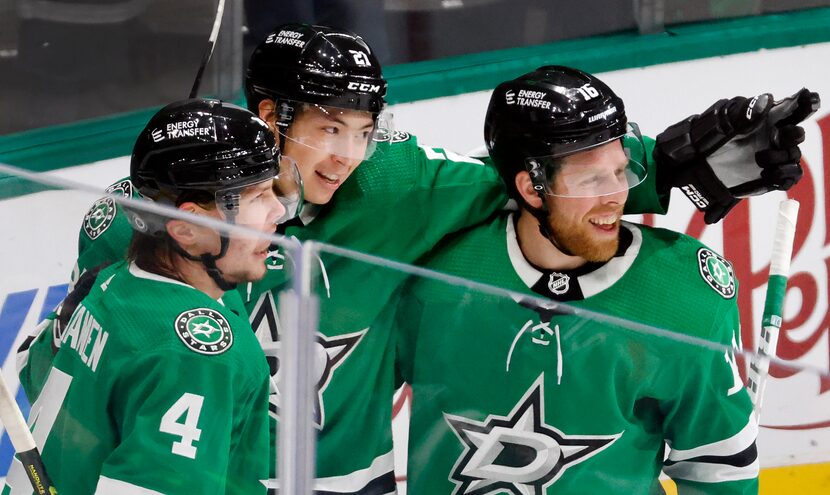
<point x="717" y="272"/>
<point x="204" y="330"/>
<point x="102" y="213"/>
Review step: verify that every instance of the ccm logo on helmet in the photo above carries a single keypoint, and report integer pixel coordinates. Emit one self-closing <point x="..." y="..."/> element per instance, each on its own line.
<point x="366" y="87"/>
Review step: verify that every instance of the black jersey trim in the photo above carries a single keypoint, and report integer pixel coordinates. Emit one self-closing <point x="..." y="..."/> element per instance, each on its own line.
<point x="381" y="485"/>
<point x="741" y="459"/>
<point x="579" y="283"/>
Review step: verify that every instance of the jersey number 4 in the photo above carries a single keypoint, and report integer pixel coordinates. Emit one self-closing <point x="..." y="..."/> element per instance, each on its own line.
<point x="190" y="406"/>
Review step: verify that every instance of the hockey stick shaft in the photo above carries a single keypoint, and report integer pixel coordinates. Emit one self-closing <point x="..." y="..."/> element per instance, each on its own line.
<point x="214" y="34"/>
<point x="23" y="442"/>
<point x="782" y="249"/>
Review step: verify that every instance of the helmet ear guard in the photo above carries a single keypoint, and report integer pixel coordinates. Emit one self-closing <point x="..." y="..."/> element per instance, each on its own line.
<point x="537" y="175"/>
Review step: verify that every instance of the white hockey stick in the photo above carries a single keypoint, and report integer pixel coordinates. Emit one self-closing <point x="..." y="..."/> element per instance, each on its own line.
<point x="779" y="271"/>
<point x="214" y="33"/>
<point x="23" y="442"/>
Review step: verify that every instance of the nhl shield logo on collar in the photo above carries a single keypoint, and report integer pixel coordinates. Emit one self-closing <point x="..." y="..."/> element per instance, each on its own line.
<point x="559" y="283"/>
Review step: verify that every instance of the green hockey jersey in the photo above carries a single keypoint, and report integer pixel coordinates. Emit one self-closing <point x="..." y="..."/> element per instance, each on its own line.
<point x="518" y="394"/>
<point x="103" y="239"/>
<point x="398" y="206"/>
<point x="156" y="388"/>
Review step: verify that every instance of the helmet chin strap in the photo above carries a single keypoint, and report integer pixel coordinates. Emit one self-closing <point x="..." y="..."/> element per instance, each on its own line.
<point x="209" y="260"/>
<point x="212" y="270"/>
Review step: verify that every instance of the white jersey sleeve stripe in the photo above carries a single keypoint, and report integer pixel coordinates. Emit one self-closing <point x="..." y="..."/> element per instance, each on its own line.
<point x="727" y="447"/>
<point x="109" y="486"/>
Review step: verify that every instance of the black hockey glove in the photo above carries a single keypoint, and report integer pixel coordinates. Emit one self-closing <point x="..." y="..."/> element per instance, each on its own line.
<point x="736" y="148"/>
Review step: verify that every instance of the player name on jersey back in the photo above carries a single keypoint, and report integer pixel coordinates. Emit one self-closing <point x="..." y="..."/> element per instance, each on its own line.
<point x="85" y="335"/>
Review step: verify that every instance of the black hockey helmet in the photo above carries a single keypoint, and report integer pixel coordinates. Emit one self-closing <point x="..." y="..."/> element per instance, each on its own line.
<point x="547" y="114"/>
<point x="318" y="65"/>
<point x="210" y="147"/>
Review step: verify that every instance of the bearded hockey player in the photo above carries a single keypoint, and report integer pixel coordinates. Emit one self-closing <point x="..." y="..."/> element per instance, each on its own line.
<point x="156" y="386"/>
<point x="524" y="395"/>
<point x="322" y="91"/>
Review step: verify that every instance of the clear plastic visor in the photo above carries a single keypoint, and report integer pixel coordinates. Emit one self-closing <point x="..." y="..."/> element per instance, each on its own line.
<point x="606" y="168"/>
<point x="286" y="185"/>
<point x="347" y="133"/>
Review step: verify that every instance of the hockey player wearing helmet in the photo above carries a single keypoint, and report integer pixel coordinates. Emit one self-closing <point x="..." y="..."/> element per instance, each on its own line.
<point x="106" y="233"/>
<point x="550" y="397"/>
<point x="156" y="386"/>
<point x="321" y="90"/>
<point x="398" y="204"/>
<point x="232" y="175"/>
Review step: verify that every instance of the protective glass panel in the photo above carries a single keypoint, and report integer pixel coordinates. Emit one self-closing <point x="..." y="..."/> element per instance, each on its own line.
<point x="637" y="379"/>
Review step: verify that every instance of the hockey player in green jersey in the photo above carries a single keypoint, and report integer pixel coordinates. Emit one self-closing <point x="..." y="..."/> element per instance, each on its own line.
<point x="157" y="387"/>
<point x="321" y="90"/>
<point x="526" y="393"/>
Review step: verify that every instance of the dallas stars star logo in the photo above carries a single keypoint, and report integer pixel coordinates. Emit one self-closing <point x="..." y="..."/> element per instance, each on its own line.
<point x="716" y="272"/>
<point x="518" y="453"/>
<point x="102" y="213"/>
<point x="99" y="217"/>
<point x="329" y="354"/>
<point x="204" y="330"/>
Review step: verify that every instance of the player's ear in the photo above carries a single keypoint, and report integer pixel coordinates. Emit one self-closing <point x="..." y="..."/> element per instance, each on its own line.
<point x="267" y="112"/>
<point x="185" y="233"/>
<point x="525" y="187"/>
<point x="181" y="232"/>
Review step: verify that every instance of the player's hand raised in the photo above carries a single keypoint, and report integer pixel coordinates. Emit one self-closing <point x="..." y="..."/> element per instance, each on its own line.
<point x="736" y="148"/>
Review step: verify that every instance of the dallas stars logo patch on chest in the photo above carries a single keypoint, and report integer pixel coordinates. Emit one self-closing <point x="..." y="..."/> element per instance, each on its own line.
<point x="518" y="453"/>
<point x="204" y="330"/>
